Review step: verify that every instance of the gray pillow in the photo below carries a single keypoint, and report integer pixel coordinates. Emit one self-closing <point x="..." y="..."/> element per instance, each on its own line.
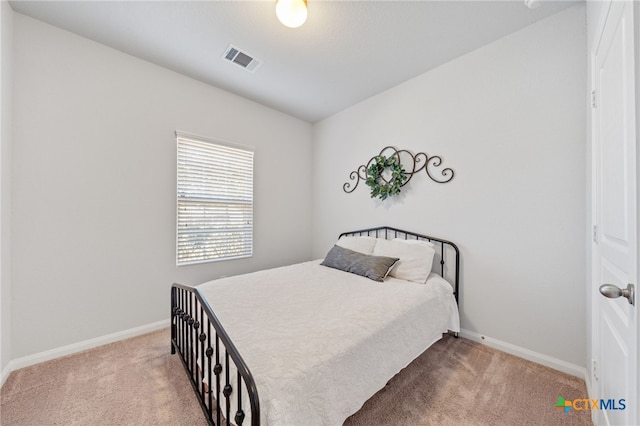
<point x="373" y="267"/>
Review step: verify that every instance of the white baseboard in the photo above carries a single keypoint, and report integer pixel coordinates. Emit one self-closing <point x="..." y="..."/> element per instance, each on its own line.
<point x="547" y="361"/>
<point x="518" y="351"/>
<point x="28" y="360"/>
<point x="5" y="373"/>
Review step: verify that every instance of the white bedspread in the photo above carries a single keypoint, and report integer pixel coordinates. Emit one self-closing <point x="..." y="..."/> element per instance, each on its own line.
<point x="320" y="342"/>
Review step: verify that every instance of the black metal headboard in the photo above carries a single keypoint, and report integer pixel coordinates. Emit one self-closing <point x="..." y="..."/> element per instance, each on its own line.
<point x="444" y="250"/>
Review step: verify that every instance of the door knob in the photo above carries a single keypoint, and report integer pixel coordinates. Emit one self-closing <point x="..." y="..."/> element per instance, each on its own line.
<point x="612" y="292"/>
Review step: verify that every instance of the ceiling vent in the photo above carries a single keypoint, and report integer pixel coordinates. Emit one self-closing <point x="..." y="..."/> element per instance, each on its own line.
<point x="245" y="60"/>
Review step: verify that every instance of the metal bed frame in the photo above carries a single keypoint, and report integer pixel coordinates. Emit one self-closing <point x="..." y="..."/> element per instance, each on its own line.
<point x="218" y="374"/>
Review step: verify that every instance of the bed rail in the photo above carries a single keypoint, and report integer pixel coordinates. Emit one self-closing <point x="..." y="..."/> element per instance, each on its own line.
<point x="444" y="250"/>
<point x="217" y="372"/>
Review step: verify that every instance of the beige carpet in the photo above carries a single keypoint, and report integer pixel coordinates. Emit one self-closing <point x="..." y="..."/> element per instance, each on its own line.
<point x="459" y="382"/>
<point x="137" y="382"/>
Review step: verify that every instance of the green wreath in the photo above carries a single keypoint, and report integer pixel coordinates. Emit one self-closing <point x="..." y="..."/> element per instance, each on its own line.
<point x="380" y="187"/>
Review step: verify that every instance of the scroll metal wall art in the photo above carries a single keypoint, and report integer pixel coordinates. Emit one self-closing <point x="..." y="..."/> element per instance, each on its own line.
<point x="386" y="174"/>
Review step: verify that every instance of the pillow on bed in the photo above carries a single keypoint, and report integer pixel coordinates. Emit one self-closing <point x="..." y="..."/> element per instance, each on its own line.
<point x="372" y="267"/>
<point x="362" y="244"/>
<point x="419" y="242"/>
<point x="416" y="259"/>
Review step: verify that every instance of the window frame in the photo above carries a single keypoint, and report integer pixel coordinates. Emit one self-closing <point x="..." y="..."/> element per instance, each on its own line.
<point x="215" y="201"/>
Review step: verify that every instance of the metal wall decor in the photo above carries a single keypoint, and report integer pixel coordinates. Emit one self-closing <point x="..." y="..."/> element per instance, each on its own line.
<point x="396" y="161"/>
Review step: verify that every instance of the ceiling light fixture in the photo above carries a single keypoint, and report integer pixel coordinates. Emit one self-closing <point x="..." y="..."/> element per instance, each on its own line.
<point x="532" y="4"/>
<point x="292" y="13"/>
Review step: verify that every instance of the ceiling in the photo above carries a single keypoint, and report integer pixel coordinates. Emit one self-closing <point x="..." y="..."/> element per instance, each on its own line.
<point x="346" y="52"/>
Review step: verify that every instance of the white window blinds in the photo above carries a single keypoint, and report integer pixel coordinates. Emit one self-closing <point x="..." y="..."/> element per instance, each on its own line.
<point x="215" y="201"/>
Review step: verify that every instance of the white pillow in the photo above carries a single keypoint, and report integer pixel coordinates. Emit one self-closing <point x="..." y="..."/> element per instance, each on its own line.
<point x="416" y="259"/>
<point x="361" y="244"/>
<point x="423" y="242"/>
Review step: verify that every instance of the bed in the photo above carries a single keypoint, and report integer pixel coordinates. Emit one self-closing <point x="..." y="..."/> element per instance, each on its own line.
<point x="310" y="343"/>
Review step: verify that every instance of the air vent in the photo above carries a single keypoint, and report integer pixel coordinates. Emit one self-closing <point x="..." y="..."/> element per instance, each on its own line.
<point x="245" y="60"/>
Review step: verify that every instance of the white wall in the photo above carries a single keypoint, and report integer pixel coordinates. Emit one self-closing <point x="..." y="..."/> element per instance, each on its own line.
<point x="94" y="186"/>
<point x="510" y="119"/>
<point x="6" y="50"/>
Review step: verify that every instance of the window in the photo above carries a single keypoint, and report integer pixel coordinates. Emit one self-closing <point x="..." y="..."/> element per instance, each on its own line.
<point x="214" y="201"/>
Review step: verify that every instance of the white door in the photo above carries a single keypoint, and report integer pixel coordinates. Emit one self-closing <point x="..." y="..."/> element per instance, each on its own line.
<point x="615" y="321"/>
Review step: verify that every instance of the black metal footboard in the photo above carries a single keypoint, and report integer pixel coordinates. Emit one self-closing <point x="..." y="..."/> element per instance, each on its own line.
<point x="218" y="374"/>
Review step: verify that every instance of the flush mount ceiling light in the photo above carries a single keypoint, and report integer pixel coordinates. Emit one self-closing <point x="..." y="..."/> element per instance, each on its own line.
<point x="532" y="4"/>
<point x="292" y="13"/>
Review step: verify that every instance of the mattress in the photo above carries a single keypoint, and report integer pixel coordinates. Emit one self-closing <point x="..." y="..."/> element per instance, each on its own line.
<point x="320" y="342"/>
